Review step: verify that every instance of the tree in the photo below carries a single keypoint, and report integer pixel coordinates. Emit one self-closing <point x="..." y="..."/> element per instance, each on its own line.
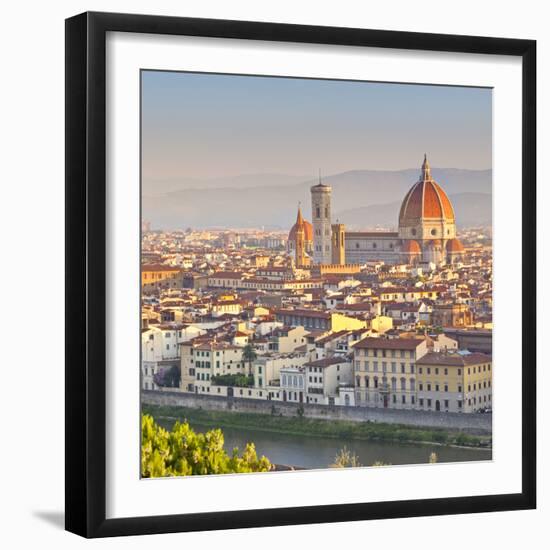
<point x="183" y="452"/>
<point x="168" y="378"/>
<point x="249" y="355"/>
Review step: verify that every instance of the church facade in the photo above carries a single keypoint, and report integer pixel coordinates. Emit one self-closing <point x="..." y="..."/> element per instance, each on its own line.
<point x="426" y="231"/>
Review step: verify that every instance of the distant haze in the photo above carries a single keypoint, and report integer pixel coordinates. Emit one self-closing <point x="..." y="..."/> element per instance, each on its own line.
<point x="238" y="151"/>
<point x="360" y="199"/>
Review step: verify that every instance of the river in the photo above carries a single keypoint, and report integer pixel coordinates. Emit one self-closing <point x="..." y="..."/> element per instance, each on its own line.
<point x="319" y="452"/>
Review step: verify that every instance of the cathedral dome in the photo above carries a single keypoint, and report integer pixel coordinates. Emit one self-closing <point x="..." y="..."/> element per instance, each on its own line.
<point x="308" y="228"/>
<point x="411" y="247"/>
<point x="455" y="246"/>
<point x="426" y="200"/>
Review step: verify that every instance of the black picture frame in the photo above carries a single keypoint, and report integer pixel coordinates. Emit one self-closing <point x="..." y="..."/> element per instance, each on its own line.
<point x="86" y="263"/>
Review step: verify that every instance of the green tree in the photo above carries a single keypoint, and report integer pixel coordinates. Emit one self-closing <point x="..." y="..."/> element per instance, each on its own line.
<point x="249" y="355"/>
<point x="238" y="380"/>
<point x="183" y="452"/>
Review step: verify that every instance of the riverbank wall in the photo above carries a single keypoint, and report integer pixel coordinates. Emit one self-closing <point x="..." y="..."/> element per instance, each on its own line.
<point x="475" y="424"/>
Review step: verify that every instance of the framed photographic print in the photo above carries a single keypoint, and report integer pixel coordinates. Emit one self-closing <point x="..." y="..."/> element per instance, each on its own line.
<point x="300" y="274"/>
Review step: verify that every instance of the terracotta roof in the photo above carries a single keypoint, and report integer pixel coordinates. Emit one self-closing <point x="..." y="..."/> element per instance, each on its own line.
<point x="227" y="275"/>
<point x="454" y="359"/>
<point x="158" y="267"/>
<point x="303" y="313"/>
<point x="426" y="199"/>
<point x="411" y="247"/>
<point x="389" y="343"/>
<point x="332" y="336"/>
<point x="454" y="245"/>
<point x="308" y="228"/>
<point x="327" y="362"/>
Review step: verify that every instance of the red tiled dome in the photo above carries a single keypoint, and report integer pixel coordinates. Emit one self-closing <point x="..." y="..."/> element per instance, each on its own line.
<point x="426" y="199"/>
<point x="308" y="228"/>
<point x="454" y="245"/>
<point x="411" y="247"/>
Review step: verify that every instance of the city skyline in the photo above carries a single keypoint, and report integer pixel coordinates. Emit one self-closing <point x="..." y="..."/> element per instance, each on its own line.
<point x="203" y="126"/>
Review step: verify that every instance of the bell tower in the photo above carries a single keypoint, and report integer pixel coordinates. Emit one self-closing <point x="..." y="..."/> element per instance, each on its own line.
<point x="322" y="230"/>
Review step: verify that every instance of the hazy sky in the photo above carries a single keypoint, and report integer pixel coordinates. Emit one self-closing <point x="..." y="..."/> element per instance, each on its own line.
<point x="201" y="125"/>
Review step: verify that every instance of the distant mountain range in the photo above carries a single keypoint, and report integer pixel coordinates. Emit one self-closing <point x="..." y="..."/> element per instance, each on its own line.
<point x="361" y="199"/>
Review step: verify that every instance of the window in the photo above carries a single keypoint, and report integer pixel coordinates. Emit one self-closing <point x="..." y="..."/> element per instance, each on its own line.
<point x="421" y="402"/>
<point x="446" y="402"/>
<point x="403" y="399"/>
<point x="429" y="387"/>
<point x="420" y="387"/>
<point x="446" y="388"/>
<point x="459" y="389"/>
<point x="318" y="212"/>
<point x="436" y="371"/>
<point x="437" y="387"/>
<point x="429" y="403"/>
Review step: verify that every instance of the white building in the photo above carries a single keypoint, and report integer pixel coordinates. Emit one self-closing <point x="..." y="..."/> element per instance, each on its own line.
<point x="160" y="349"/>
<point x="325" y="376"/>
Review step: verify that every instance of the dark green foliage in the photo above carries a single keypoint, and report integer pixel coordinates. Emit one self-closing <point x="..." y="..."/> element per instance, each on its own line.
<point x="237" y="380"/>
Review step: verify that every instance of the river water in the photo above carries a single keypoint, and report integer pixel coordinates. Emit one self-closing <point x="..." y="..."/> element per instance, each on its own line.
<point x="319" y="452"/>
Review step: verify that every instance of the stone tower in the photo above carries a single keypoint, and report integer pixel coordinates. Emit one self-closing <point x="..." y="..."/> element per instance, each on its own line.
<point x="338" y="244"/>
<point x="300" y="252"/>
<point x="322" y="231"/>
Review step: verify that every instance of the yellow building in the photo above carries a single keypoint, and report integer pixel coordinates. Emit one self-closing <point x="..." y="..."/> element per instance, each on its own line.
<point x="381" y="323"/>
<point x="454" y="382"/>
<point x="319" y="320"/>
<point x="154" y="274"/>
<point x="385" y="371"/>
